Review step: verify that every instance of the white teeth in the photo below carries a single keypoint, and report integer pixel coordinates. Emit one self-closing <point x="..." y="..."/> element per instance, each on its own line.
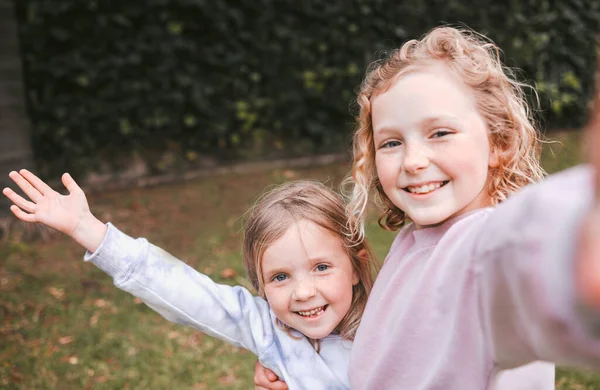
<point x="312" y="312"/>
<point x="424" y="188"/>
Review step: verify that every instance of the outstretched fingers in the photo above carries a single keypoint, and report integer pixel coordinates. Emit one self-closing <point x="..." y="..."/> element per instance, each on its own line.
<point x="38" y="183"/>
<point x="19" y="201"/>
<point x="23" y="216"/>
<point x="29" y="190"/>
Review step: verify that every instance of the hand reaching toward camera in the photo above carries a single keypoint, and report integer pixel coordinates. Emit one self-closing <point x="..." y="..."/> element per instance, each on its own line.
<point x="69" y="214"/>
<point x="588" y="262"/>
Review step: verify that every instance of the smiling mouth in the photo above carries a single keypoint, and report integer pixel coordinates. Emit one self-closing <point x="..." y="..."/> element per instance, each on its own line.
<point x="317" y="311"/>
<point x="426" y="188"/>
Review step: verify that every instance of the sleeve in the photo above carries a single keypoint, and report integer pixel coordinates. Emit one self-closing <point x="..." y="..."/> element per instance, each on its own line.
<point x="181" y="294"/>
<point x="525" y="257"/>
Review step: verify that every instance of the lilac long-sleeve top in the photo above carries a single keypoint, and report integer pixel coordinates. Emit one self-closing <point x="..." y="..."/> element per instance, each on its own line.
<point x="457" y="305"/>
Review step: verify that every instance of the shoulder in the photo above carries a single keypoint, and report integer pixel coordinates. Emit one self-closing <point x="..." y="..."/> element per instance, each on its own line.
<point x="396" y="249"/>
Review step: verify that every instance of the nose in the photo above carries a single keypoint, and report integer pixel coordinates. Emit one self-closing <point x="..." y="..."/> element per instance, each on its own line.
<point x="304" y="289"/>
<point x="416" y="157"/>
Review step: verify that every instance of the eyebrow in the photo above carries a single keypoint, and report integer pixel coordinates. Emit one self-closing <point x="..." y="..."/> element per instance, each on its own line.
<point x="275" y="270"/>
<point x="322" y="258"/>
<point x="428" y="121"/>
<point x="440" y="118"/>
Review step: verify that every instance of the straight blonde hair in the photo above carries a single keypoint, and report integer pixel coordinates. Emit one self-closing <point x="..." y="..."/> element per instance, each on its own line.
<point x="279" y="209"/>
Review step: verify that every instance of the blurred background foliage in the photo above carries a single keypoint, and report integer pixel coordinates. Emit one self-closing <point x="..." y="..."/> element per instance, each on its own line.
<point x="180" y="84"/>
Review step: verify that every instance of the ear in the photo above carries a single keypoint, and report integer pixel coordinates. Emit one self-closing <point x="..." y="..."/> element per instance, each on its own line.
<point x="362" y="255"/>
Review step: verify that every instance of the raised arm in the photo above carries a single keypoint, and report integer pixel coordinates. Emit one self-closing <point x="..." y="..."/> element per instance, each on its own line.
<point x="172" y="288"/>
<point x="540" y="270"/>
<point x="588" y="266"/>
<point x="183" y="295"/>
<point x="68" y="214"/>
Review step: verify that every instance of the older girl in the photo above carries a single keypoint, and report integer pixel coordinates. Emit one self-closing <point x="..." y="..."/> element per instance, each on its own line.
<point x="490" y="270"/>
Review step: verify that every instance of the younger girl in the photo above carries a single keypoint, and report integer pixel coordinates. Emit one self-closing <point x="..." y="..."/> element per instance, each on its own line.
<point x="484" y="275"/>
<point x="313" y="276"/>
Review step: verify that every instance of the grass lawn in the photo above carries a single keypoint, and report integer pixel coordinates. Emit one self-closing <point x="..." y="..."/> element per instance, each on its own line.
<point x="64" y="326"/>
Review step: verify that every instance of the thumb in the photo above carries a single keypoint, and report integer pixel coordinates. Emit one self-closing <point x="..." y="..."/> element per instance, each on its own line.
<point x="271" y="376"/>
<point x="69" y="183"/>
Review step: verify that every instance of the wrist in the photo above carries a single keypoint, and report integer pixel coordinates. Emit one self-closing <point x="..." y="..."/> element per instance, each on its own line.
<point x="90" y="232"/>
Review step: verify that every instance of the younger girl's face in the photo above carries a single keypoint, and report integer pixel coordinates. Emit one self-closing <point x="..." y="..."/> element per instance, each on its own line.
<point x="308" y="279"/>
<point x="432" y="148"/>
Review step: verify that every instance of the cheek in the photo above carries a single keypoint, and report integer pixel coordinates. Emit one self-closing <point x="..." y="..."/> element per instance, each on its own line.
<point x="470" y="161"/>
<point x="276" y="299"/>
<point x="385" y="171"/>
<point x="340" y="289"/>
<point x="469" y="166"/>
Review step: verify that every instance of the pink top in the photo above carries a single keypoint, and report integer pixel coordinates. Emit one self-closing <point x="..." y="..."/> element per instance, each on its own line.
<point x="456" y="305"/>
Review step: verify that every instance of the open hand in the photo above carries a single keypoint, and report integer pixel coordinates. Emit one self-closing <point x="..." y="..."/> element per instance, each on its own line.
<point x="69" y="214"/>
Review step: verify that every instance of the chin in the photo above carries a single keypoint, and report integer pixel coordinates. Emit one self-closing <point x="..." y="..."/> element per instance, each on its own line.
<point x="427" y="220"/>
<point x="317" y="335"/>
<point x="424" y="221"/>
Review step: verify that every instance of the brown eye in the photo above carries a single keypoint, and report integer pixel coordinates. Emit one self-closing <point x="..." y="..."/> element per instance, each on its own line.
<point x="440" y="133"/>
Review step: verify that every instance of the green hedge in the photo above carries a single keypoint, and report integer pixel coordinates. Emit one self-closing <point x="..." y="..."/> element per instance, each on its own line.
<point x="257" y="78"/>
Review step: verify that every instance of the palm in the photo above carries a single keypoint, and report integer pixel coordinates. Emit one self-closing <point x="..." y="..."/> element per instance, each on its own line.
<point x="61" y="212"/>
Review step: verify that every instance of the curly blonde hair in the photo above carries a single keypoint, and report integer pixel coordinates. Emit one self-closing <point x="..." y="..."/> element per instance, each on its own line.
<point x="500" y="101"/>
<point x="309" y="200"/>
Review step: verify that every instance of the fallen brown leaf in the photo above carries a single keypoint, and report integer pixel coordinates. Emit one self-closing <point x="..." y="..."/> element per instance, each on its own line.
<point x="34" y="343"/>
<point x="228" y="273"/>
<point x="94" y="319"/>
<point x="289" y="174"/>
<point x="66" y="340"/>
<point x="101" y="379"/>
<point x="195" y="339"/>
<point x="227" y="379"/>
<point x="16" y="376"/>
<point x="100" y="303"/>
<point x="57" y="293"/>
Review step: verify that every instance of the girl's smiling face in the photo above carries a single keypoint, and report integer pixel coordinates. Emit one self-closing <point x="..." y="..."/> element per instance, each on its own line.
<point x="432" y="149"/>
<point x="309" y="279"/>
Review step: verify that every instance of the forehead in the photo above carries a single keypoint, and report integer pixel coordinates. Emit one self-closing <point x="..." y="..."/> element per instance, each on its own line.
<point x="432" y="92"/>
<point x="302" y="242"/>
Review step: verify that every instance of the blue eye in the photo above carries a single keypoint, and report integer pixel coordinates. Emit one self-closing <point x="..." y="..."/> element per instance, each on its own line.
<point x="279" y="278"/>
<point x="322" y="267"/>
<point x="391" y="144"/>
